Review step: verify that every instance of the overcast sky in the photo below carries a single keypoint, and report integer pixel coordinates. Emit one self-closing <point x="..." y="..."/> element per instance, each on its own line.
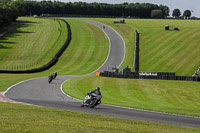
<point x="172" y="4"/>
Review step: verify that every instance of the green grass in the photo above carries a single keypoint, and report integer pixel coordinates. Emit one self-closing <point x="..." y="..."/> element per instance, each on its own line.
<point x="160" y="50"/>
<point x="127" y="33"/>
<point x="25" y="118"/>
<point x="87" y="51"/>
<point x="175" y="97"/>
<point x="165" y="96"/>
<point x="21" y="118"/>
<point x="85" y="54"/>
<point x="33" y="44"/>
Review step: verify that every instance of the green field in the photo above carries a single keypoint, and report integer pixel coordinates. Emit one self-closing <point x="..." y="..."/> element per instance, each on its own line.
<point x="160" y="50"/>
<point x="86" y="52"/>
<point x="26" y="119"/>
<point x="165" y="96"/>
<point x="177" y="97"/>
<point x="84" y="55"/>
<point x="33" y="44"/>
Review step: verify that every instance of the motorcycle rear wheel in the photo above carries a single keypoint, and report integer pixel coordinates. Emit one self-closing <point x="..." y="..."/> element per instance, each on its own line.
<point x="93" y="103"/>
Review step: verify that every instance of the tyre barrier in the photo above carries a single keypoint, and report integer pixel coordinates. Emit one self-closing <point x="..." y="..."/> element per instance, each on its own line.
<point x="52" y="62"/>
<point x="162" y="76"/>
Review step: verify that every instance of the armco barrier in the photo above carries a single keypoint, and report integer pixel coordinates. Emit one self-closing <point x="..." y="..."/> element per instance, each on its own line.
<point x="52" y="62"/>
<point x="169" y="76"/>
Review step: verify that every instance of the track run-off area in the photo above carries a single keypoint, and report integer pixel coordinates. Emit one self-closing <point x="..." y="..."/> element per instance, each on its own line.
<point x="38" y="92"/>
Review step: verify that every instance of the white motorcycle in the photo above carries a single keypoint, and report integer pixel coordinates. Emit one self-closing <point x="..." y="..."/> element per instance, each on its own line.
<point x="90" y="101"/>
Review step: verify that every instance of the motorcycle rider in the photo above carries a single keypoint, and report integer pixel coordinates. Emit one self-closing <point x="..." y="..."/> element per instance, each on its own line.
<point x="50" y="78"/>
<point x="54" y="75"/>
<point x="95" y="93"/>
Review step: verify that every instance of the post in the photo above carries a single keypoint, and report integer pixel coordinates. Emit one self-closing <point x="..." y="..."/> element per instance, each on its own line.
<point x="136" y="53"/>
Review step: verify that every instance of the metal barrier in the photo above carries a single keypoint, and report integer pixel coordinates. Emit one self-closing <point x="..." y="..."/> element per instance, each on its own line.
<point x="161" y="76"/>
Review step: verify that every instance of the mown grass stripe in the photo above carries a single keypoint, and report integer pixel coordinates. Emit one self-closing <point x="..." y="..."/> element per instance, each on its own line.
<point x="35" y="36"/>
<point x="76" y="121"/>
<point x="153" y="39"/>
<point x="157" y="95"/>
<point x="164" y="54"/>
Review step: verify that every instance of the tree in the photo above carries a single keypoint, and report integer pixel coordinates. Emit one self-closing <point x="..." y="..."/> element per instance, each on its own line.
<point x="165" y="10"/>
<point x="176" y="13"/>
<point x="140" y="10"/>
<point x="10" y="10"/>
<point x="157" y="13"/>
<point x="187" y="14"/>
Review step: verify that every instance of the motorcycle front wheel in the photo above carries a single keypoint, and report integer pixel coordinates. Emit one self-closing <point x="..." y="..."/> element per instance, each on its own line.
<point x="93" y="103"/>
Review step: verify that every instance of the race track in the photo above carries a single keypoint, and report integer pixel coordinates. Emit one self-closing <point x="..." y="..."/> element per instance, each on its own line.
<point x="39" y="92"/>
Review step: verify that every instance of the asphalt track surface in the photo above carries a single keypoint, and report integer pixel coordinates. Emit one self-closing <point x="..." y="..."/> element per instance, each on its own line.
<point x="39" y="92"/>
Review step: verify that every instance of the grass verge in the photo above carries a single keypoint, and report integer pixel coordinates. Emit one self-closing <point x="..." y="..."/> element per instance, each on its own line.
<point x="85" y="54"/>
<point x="24" y="118"/>
<point x="31" y="45"/>
<point x="177" y="97"/>
<point x="160" y="50"/>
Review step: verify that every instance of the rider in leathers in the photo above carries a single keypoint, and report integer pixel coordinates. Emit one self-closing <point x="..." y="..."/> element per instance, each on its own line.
<point x="96" y="92"/>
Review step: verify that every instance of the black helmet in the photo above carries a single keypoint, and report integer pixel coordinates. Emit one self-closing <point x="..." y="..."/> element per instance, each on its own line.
<point x="98" y="88"/>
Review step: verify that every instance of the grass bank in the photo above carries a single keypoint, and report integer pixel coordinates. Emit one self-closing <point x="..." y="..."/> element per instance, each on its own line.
<point x="33" y="44"/>
<point x="165" y="96"/>
<point x="24" y="118"/>
<point x="86" y="52"/>
<point x="177" y="97"/>
<point x="160" y="50"/>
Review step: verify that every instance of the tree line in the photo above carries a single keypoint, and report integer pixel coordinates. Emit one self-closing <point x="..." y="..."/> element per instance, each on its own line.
<point x="136" y="10"/>
<point x="11" y="9"/>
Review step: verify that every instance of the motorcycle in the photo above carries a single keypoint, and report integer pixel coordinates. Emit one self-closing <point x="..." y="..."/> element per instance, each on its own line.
<point x="54" y="75"/>
<point x="90" y="101"/>
<point x="50" y="79"/>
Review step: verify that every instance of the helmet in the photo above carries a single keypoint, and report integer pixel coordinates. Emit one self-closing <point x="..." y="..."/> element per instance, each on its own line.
<point x="98" y="88"/>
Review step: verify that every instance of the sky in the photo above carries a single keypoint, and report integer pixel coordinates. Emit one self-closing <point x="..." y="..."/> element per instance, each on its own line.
<point x="172" y="4"/>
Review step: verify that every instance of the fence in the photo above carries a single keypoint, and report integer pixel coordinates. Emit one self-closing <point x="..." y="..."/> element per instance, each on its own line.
<point x="159" y="76"/>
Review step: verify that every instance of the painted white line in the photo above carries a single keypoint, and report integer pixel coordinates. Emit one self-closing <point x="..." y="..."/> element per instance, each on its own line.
<point x="118" y="66"/>
<point x="86" y="75"/>
<point x="151" y="111"/>
<point x="4" y="93"/>
<point x="121" y="38"/>
<point x="66" y="93"/>
<point x="104" y="61"/>
<point x="19" y="83"/>
<point x="109" y="41"/>
<point x="108" y="51"/>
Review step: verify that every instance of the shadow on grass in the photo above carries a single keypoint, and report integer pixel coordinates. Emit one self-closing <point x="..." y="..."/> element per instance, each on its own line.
<point x="7" y="42"/>
<point x="14" y="30"/>
<point x="30" y="22"/>
<point x="4" y="47"/>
